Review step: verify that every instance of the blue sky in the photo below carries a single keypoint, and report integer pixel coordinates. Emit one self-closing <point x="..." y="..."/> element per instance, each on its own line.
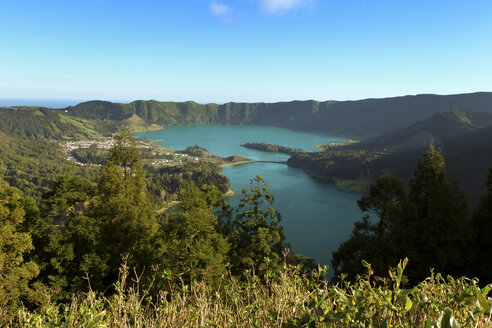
<point x="243" y="50"/>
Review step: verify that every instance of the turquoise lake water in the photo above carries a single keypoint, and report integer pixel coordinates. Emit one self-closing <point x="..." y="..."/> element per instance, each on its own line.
<point x="316" y="216"/>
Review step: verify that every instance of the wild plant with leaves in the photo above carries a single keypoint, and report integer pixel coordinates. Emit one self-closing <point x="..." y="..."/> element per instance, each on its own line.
<point x="293" y="300"/>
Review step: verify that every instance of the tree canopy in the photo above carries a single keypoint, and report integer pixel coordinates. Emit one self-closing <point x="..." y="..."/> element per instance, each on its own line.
<point x="15" y="273"/>
<point x="430" y="225"/>
<point x="258" y="237"/>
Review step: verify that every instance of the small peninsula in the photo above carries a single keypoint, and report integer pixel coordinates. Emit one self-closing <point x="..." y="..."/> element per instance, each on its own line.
<point x="272" y="148"/>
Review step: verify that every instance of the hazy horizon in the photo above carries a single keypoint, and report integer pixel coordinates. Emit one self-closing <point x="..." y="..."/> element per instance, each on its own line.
<point x="61" y="103"/>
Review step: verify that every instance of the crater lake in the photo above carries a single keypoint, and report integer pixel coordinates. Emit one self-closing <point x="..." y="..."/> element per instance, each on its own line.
<point x="316" y="216"/>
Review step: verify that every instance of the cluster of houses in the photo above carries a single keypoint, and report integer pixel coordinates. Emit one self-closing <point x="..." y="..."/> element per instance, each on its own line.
<point x="103" y="144"/>
<point x="170" y="158"/>
<point x="70" y="146"/>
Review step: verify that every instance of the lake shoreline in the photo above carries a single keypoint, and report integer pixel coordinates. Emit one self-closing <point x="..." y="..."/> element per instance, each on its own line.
<point x="355" y="186"/>
<point x="316" y="215"/>
<point x="345" y="185"/>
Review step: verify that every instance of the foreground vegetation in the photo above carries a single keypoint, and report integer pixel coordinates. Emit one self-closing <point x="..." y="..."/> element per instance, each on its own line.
<point x="286" y="299"/>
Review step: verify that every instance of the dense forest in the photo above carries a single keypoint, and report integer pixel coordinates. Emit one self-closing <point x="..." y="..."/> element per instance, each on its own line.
<point x="465" y="138"/>
<point x="94" y="252"/>
<point x="271" y="148"/>
<point x="32" y="164"/>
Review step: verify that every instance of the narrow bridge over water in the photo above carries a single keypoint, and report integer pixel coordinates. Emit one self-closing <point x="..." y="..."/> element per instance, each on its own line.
<point x="275" y="162"/>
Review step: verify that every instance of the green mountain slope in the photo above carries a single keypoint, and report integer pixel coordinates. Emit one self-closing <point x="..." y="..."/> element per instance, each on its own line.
<point x="162" y="113"/>
<point x="440" y="127"/>
<point x="48" y="123"/>
<point x="470" y="157"/>
<point x="363" y="118"/>
<point x="467" y="156"/>
<point x="45" y="123"/>
<point x="465" y="137"/>
<point x="135" y="123"/>
<point x="32" y="164"/>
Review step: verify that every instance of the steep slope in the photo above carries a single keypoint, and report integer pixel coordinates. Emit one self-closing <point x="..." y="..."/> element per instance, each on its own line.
<point x="362" y="118"/>
<point x="44" y="123"/>
<point x="470" y="157"/>
<point x="377" y="116"/>
<point x="32" y="164"/>
<point x="465" y="137"/>
<point x="162" y="113"/>
<point x="440" y="127"/>
<point x="136" y="124"/>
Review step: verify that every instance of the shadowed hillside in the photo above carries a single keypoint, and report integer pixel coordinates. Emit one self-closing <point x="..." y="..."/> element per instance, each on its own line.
<point x="362" y="118"/>
<point x="440" y="128"/>
<point x="465" y="137"/>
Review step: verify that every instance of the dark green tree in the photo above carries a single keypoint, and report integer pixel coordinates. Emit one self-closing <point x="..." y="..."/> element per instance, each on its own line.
<point x="68" y="249"/>
<point x="430" y="226"/>
<point x="195" y="250"/>
<point x="482" y="223"/>
<point x="68" y="198"/>
<point x="15" y="273"/>
<point x="74" y="253"/>
<point x="440" y="233"/>
<point x="127" y="223"/>
<point x="258" y="238"/>
<point x="376" y="238"/>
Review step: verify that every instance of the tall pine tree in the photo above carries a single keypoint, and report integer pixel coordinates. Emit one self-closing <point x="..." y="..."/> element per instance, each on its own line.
<point x="377" y="237"/>
<point x="128" y="224"/>
<point x="258" y="238"/>
<point x="195" y="250"/>
<point x="430" y="226"/>
<point x="482" y="222"/>
<point x="440" y="233"/>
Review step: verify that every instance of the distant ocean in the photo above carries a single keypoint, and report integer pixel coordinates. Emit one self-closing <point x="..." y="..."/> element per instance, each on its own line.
<point x="50" y="103"/>
<point x="59" y="103"/>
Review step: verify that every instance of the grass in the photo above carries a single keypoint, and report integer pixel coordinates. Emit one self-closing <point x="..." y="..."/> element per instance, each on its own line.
<point x="136" y="124"/>
<point x="353" y="185"/>
<point x="334" y="144"/>
<point x="283" y="299"/>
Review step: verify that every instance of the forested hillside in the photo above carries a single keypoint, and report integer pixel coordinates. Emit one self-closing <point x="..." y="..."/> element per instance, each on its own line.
<point x="44" y="123"/>
<point x="37" y="122"/>
<point x="32" y="164"/>
<point x="360" y="118"/>
<point x="465" y="137"/>
<point x="440" y="127"/>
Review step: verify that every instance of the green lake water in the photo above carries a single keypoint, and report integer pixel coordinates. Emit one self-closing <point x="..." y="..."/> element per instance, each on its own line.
<point x="316" y="216"/>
